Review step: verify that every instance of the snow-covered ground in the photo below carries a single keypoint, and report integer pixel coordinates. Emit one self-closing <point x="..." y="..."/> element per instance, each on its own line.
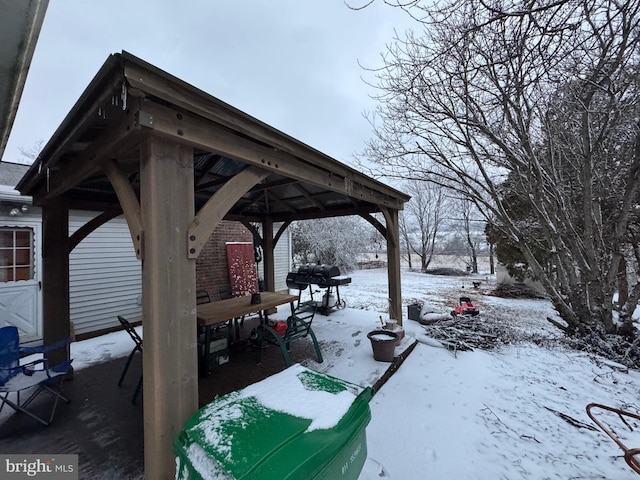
<point x="514" y="412"/>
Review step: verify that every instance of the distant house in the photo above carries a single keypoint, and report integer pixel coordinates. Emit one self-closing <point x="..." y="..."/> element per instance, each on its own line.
<point x="105" y="276"/>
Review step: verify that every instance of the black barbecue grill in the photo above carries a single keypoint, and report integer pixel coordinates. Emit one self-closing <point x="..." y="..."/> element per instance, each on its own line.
<point x="322" y="276"/>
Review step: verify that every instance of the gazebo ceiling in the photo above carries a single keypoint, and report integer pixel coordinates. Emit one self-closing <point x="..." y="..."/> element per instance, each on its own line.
<point x="129" y="99"/>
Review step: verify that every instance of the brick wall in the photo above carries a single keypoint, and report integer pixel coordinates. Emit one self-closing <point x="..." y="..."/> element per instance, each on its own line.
<point x="212" y="271"/>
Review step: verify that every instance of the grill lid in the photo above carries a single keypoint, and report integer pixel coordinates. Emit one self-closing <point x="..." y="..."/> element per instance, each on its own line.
<point x="313" y="270"/>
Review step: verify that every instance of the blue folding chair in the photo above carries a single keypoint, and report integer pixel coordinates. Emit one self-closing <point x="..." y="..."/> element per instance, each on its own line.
<point x="35" y="376"/>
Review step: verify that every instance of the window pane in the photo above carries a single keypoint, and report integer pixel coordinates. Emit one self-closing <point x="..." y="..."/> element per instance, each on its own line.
<point x="6" y="257"/>
<point x="23" y="273"/>
<point x="6" y="238"/>
<point x="6" y="274"/>
<point x="16" y="249"/>
<point x="23" y="238"/>
<point x="23" y="257"/>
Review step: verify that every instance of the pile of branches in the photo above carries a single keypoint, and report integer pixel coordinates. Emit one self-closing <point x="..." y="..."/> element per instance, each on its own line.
<point x="624" y="350"/>
<point x="515" y="290"/>
<point x="446" y="271"/>
<point x="466" y="333"/>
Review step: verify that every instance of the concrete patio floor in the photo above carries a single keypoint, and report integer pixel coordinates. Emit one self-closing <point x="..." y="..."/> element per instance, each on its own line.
<point x="105" y="429"/>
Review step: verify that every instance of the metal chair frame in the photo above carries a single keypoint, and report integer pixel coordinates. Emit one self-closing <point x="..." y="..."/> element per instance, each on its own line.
<point x="298" y="326"/>
<point x="137" y="348"/>
<point x="37" y="374"/>
<point x="629" y="453"/>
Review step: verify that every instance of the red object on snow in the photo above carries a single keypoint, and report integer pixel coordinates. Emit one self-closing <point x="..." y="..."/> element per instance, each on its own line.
<point x="466" y="307"/>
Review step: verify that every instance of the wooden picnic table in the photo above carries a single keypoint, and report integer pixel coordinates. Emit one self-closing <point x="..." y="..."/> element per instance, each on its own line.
<point x="215" y="314"/>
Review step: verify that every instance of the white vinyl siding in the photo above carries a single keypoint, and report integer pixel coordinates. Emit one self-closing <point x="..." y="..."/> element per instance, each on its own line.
<point x="105" y="277"/>
<point x="282" y="259"/>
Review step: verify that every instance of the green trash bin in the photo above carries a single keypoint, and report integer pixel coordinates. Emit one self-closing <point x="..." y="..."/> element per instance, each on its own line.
<point x="297" y="424"/>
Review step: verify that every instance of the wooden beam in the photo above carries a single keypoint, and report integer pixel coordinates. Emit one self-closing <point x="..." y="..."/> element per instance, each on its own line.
<point x="279" y="201"/>
<point x="254" y="231"/>
<point x="72" y="171"/>
<point x="343" y="212"/>
<point x="213" y="183"/>
<point x="376" y="224"/>
<point x="306" y="195"/>
<point x="266" y="242"/>
<point x="279" y="183"/>
<point x="268" y="195"/>
<point x="218" y="205"/>
<point x="210" y="162"/>
<point x="199" y="132"/>
<point x="129" y="203"/>
<point x="277" y="218"/>
<point x="393" y="263"/>
<point x="70" y="129"/>
<point x="168" y="301"/>
<point x="91" y="226"/>
<point x="252" y="200"/>
<point x="268" y="255"/>
<point x="149" y="79"/>
<point x="281" y="230"/>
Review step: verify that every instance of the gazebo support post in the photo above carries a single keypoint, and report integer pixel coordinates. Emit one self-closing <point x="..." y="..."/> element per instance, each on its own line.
<point x="55" y="276"/>
<point x="393" y="264"/>
<point x="170" y="385"/>
<point x="268" y="255"/>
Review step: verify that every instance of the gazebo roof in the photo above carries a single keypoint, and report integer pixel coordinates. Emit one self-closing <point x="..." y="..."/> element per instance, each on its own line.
<point x="129" y="98"/>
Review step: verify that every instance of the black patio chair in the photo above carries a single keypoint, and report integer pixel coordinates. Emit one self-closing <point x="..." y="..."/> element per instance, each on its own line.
<point x="35" y="376"/>
<point x="298" y="326"/>
<point x="202" y="296"/>
<point x="137" y="348"/>
<point x="229" y="292"/>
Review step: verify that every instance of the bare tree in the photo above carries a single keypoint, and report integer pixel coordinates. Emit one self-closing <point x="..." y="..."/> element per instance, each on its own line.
<point x="424" y="214"/>
<point x="470" y="232"/>
<point x="30" y="154"/>
<point x="544" y="95"/>
<point x="404" y="239"/>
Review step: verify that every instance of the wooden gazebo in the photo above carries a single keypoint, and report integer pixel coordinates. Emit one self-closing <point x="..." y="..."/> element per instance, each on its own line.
<point x="176" y="161"/>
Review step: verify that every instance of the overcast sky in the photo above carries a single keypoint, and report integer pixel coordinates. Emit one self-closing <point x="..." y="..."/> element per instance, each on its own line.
<point x="293" y="64"/>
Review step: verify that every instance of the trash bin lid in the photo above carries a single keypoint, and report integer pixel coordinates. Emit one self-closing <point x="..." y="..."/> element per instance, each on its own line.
<point x="293" y="425"/>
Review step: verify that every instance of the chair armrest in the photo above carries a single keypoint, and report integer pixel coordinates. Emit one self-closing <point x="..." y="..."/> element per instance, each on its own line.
<point x="30" y="350"/>
<point x="46" y="348"/>
<point x="26" y="368"/>
<point x="61" y="367"/>
<point x="19" y="368"/>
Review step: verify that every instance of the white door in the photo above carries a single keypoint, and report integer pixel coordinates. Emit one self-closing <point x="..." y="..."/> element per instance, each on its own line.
<point x="19" y="280"/>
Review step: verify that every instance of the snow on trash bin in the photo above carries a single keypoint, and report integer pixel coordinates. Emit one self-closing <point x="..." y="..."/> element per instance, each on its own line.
<point x="297" y="424"/>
